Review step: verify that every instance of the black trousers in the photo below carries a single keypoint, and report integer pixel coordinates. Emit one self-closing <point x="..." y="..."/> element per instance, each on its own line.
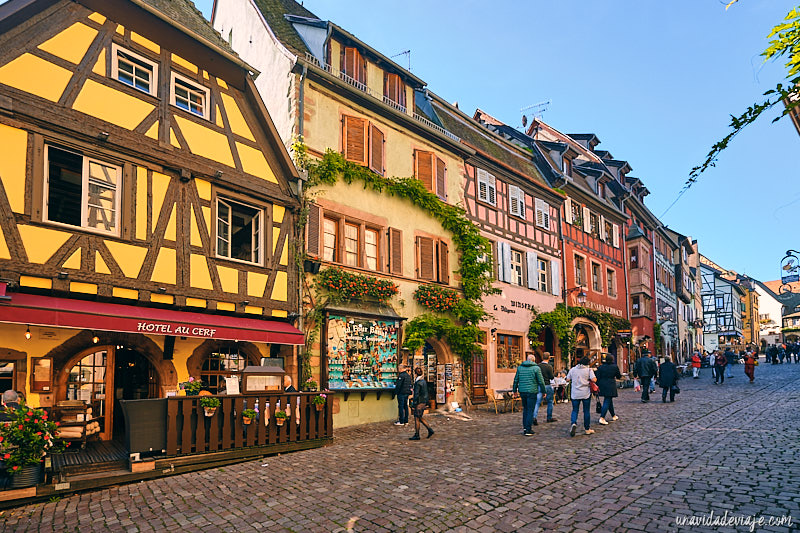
<point x="646" y="387"/>
<point x="664" y="394"/>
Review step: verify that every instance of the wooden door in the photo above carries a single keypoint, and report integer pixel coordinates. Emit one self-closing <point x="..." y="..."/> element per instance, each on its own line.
<point x="479" y="376"/>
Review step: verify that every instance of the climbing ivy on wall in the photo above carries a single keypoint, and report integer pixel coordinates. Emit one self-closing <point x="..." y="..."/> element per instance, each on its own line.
<point x="458" y="326"/>
<point x="560" y="320"/>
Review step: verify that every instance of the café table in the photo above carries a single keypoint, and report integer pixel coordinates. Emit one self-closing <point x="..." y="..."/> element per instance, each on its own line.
<point x="508" y="398"/>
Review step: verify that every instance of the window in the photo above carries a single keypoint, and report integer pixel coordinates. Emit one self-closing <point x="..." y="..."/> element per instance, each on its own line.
<point x="516" y="201"/>
<point x="720" y="302"/>
<point x="634" y="257"/>
<point x="509" y="352"/>
<point x="371" y="249"/>
<point x="597" y="283"/>
<point x="239" y="231"/>
<point x="542" y="214"/>
<point x="611" y="282"/>
<point x="134" y="70"/>
<point x="608" y="231"/>
<point x="329" y="240"/>
<point x="575" y="209"/>
<point x="82" y="191"/>
<point x="594" y="225"/>
<point x="516" y="268"/>
<point x="580" y="267"/>
<point x="354" y="65"/>
<point x="225" y="361"/>
<point x="636" y="305"/>
<point x="363" y="143"/>
<point x="601" y="189"/>
<point x="350" y="244"/>
<point x="394" y="90"/>
<point x="544" y="280"/>
<point x="190" y="96"/>
<point x="433" y="260"/>
<point x="566" y="166"/>
<point x="7" y="375"/>
<point x="431" y="171"/>
<point x="487" y="187"/>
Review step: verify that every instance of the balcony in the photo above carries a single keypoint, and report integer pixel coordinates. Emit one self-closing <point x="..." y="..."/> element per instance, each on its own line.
<point x="379" y="97"/>
<point x="639" y="280"/>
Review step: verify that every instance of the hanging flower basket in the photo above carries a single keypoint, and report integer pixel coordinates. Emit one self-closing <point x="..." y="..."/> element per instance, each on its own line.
<point x="319" y="401"/>
<point x="209" y="404"/>
<point x="248" y="415"/>
<point x="280" y="417"/>
<point x="209" y="411"/>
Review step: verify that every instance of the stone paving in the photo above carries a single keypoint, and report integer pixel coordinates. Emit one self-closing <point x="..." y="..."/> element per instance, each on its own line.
<point x="731" y="448"/>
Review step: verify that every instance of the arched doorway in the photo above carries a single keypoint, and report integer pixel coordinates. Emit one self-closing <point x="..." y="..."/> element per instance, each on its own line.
<point x="581" y="343"/>
<point x="433" y="354"/>
<point x="101" y="376"/>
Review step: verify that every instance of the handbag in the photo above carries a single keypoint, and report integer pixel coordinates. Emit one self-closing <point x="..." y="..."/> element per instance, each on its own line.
<point x="593" y="387"/>
<point x="598" y="407"/>
<point x="676" y="389"/>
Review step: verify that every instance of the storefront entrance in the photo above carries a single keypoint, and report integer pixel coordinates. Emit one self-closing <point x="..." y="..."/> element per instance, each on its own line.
<point x="134" y="379"/>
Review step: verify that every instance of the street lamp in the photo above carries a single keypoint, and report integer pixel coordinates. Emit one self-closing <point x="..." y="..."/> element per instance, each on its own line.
<point x="580" y="297"/>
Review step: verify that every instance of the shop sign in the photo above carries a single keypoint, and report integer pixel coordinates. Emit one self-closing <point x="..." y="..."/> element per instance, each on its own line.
<point x="161" y="328"/>
<point x="362" y="353"/>
<point x="603" y="308"/>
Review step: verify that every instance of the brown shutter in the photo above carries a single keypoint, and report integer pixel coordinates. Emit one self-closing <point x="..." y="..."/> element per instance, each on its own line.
<point x="444" y="265"/>
<point x="395" y="251"/>
<point x="426" y="259"/>
<point x="424" y="170"/>
<point x="375" y="149"/>
<point x="441" y="188"/>
<point x="313" y="230"/>
<point x="355" y="140"/>
<point x="349" y="65"/>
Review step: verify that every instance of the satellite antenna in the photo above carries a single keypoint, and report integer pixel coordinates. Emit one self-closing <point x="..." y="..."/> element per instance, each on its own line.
<point x="406" y="53"/>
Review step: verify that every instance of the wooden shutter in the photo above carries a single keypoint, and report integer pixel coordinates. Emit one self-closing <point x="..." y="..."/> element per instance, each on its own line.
<point x="587" y="227"/>
<point x="533" y="270"/>
<point x="602" y="229"/>
<point x="568" y="210"/>
<point x="505" y="252"/>
<point x="395" y="251"/>
<point x="424" y="168"/>
<point x="483" y="186"/>
<point x="376" y="139"/>
<point x="441" y="179"/>
<point x="355" y="140"/>
<point x="554" y="275"/>
<point x="313" y="241"/>
<point x="353" y="64"/>
<point x="394" y="89"/>
<point x="615" y="235"/>
<point x="444" y="263"/>
<point x="426" y="259"/>
<point x="513" y="200"/>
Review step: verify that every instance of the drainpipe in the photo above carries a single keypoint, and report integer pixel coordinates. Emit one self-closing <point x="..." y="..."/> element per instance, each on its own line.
<point x="301" y="273"/>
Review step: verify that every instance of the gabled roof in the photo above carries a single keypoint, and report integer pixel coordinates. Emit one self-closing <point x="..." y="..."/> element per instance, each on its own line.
<point x="616" y="163"/>
<point x="274" y="12"/>
<point x="634" y="233"/>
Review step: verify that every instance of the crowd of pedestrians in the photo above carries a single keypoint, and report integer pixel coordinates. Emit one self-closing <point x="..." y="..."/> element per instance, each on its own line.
<point x="777" y="354"/>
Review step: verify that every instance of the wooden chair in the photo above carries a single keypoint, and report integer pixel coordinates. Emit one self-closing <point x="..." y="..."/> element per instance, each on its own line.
<point x="493" y="397"/>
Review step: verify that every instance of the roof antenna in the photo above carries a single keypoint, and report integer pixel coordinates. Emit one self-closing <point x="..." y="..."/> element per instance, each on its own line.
<point x="406" y="53"/>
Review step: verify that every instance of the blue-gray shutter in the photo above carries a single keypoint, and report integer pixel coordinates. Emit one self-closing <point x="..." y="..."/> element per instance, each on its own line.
<point x="533" y="270"/>
<point x="554" y="275"/>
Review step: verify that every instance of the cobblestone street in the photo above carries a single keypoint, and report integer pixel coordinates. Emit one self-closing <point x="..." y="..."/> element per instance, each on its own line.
<point x="718" y="448"/>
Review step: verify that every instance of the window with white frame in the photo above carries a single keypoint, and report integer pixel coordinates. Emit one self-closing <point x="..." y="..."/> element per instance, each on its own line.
<point x="542" y="214"/>
<point x="516" y="267"/>
<point x="611" y="282"/>
<point x="133" y="69"/>
<point x="544" y="279"/>
<point x="487" y="187"/>
<point x="516" y="201"/>
<point x="82" y="191"/>
<point x="239" y="231"/>
<point x="597" y="282"/>
<point x="580" y="270"/>
<point x="594" y="225"/>
<point x="189" y="96"/>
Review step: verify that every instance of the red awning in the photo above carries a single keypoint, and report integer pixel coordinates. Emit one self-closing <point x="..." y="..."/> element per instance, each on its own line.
<point x="37" y="310"/>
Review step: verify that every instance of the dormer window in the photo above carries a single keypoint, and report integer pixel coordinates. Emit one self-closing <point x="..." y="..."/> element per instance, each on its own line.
<point x="394" y="89"/>
<point x="354" y="65"/>
<point x="566" y="166"/>
<point x="601" y="189"/>
<point x="190" y="96"/>
<point x="134" y="70"/>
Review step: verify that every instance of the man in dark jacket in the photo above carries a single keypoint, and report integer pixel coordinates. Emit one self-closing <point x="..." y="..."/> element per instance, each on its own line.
<point x="528" y="382"/>
<point x="419" y="402"/>
<point x="645" y="368"/>
<point x="667" y="379"/>
<point x="730" y="358"/>
<point x="548" y="374"/>
<point x="402" y="389"/>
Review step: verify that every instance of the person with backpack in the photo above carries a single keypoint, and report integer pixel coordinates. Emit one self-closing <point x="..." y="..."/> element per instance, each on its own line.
<point x="419" y="401"/>
<point x="719" y="368"/>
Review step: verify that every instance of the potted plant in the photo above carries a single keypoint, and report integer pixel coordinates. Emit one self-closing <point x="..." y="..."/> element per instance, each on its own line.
<point x="209" y="404"/>
<point x="192" y="387"/>
<point x="319" y="401"/>
<point x="280" y="417"/>
<point x="310" y="385"/>
<point x="24" y="441"/>
<point x="248" y="415"/>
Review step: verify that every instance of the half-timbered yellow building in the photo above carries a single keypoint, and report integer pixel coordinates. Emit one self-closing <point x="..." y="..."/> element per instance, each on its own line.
<point x="146" y="215"/>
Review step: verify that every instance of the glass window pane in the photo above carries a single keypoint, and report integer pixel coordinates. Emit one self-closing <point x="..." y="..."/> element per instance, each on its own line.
<point x="64" y="186"/>
<point x="351" y="245"/>
<point x="329" y="240"/>
<point x="371" y="245"/>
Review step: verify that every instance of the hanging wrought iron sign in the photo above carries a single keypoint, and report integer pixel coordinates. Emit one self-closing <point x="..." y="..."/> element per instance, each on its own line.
<point x="790" y="267"/>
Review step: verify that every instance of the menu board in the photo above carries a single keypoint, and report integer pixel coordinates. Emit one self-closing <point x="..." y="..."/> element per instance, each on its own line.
<point x="362" y="353"/>
<point x="42" y="379"/>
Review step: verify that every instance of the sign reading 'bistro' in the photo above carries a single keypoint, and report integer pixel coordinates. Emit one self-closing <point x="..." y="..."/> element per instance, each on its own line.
<point x="174" y="329"/>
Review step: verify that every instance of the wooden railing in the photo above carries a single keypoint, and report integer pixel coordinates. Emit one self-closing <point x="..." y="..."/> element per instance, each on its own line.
<point x="190" y="431"/>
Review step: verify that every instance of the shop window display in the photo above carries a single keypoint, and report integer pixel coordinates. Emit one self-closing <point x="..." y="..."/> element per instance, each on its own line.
<point x="362" y="353"/>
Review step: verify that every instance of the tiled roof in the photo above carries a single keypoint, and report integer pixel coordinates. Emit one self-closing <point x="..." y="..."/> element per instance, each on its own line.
<point x="184" y="13"/>
<point x="480" y="138"/>
<point x="274" y="11"/>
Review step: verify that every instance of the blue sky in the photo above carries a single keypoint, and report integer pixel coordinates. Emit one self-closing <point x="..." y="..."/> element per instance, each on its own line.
<point x="655" y="81"/>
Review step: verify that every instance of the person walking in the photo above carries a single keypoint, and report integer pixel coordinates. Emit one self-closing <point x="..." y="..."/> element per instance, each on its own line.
<point x="696" y="364"/>
<point x="580" y="376"/>
<point x="667" y="379"/>
<point x="607" y="375"/>
<point x="419" y="402"/>
<point x="644" y="369"/>
<point x="750" y="363"/>
<point x="548" y="374"/>
<point x="719" y="368"/>
<point x="402" y="389"/>
<point x="730" y="358"/>
<point x="529" y="383"/>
